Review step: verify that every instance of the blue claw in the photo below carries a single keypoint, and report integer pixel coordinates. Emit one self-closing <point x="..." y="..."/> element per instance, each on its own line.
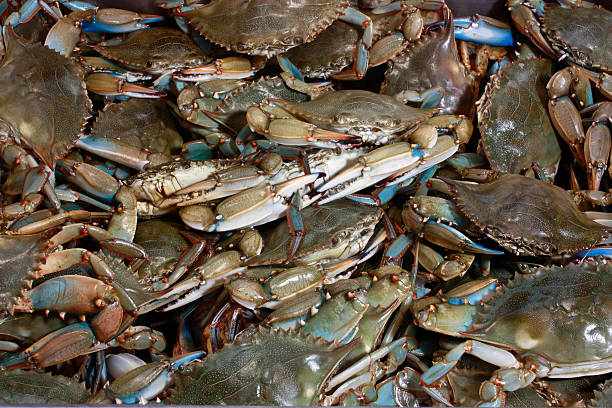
<point x="97" y="26"/>
<point x="483" y="30"/>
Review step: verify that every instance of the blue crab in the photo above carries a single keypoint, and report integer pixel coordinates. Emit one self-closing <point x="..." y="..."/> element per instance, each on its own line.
<point x="246" y="28"/>
<point x="576" y="30"/>
<point x="558" y="329"/>
<point x="513" y="121"/>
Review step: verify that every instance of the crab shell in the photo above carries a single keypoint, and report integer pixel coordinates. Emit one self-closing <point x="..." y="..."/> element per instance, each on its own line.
<point x="513" y="119"/>
<point x="527" y="216"/>
<point x="361" y="113"/>
<point x="19" y="387"/>
<point x="583" y="34"/>
<point x="21" y="256"/>
<point x="274" y="367"/>
<point x="432" y="61"/>
<point x="155" y="50"/>
<point x="332" y="231"/>
<point x="43" y="97"/>
<point x="560" y="313"/>
<point x="264" y="27"/>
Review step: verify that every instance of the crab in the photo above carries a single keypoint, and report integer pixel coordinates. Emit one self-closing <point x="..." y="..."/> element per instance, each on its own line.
<point x="579" y="31"/>
<point x="513" y="121"/>
<point x="296" y="24"/>
<point x="558" y="329"/>
<point x="433" y="61"/>
<point x="348" y="117"/>
<point x="167" y="53"/>
<point x="62" y="106"/>
<point x="280" y="367"/>
<point x="514" y="192"/>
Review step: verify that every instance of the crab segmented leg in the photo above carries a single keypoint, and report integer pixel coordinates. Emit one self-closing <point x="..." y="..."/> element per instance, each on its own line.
<point x="361" y="59"/>
<point x="371" y="168"/>
<point x="121" y="152"/>
<point x="224" y="68"/>
<point x="510" y="379"/>
<point x="101" y="184"/>
<point x="484" y="30"/>
<point x="66" y="32"/>
<point x="526" y="23"/>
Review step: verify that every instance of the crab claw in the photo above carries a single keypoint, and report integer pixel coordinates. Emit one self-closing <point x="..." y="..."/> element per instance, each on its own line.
<point x="110" y="85"/>
<point x="145" y="382"/>
<point x="280" y="127"/>
<point x="224" y="68"/>
<point x="448" y="237"/>
<point x="248" y="208"/>
<point x="56" y="347"/>
<point x="484" y="30"/>
<point x="370" y="169"/>
<point x="526" y="23"/>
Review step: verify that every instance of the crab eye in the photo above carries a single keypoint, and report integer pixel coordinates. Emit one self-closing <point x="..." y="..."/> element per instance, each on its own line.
<point x="342" y="119"/>
<point x="389" y="122"/>
<point x="424" y="318"/>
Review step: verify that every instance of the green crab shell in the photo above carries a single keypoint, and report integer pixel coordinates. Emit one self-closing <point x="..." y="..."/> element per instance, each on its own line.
<point x="433" y="61"/>
<point x="561" y="313"/>
<point x="328" y="229"/>
<point x="264" y="27"/>
<point x="20" y="256"/>
<point x="513" y="119"/>
<point x="31" y="388"/>
<point x="583" y="34"/>
<point x="42" y="97"/>
<point x="144" y="123"/>
<point x="155" y="50"/>
<point x="527" y="216"/>
<point x="263" y="367"/>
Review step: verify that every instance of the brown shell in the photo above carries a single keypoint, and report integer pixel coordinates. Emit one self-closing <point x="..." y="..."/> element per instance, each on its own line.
<point x="20" y="257"/>
<point x="584" y="34"/>
<point x="264" y="27"/>
<point x="513" y="119"/>
<point x="155" y="50"/>
<point x="527" y="216"/>
<point x="144" y="123"/>
<point x="432" y="61"/>
<point x="560" y="313"/>
<point x="43" y="97"/>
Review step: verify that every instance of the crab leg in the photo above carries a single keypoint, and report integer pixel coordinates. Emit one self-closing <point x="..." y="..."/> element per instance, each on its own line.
<point x="255" y="206"/>
<point x="360" y="65"/>
<point x="121" y="152"/>
<point x="97" y="182"/>
<point x="484" y="30"/>
<point x="488" y="353"/>
<point x="224" y="68"/>
<point x="371" y="168"/>
<point x="145" y="382"/>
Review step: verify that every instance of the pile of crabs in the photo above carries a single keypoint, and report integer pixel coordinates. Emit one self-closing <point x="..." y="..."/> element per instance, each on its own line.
<point x="307" y="202"/>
